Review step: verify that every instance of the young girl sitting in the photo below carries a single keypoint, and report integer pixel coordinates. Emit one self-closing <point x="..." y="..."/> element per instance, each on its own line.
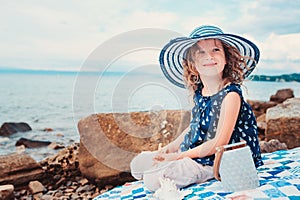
<point x="212" y="65"/>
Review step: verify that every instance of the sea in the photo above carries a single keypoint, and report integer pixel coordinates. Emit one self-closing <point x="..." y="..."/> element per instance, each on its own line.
<point x="57" y="101"/>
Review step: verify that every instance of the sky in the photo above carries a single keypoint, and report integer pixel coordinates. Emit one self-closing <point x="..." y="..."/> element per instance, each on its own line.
<point x="64" y="35"/>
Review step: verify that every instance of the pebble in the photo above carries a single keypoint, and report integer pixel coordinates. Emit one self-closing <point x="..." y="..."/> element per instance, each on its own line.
<point x="63" y="180"/>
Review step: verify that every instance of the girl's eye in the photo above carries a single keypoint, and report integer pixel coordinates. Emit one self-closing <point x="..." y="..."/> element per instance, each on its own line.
<point x="216" y="49"/>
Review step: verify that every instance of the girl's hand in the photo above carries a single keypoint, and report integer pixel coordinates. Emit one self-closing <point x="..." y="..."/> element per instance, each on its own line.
<point x="169" y="148"/>
<point x="165" y="157"/>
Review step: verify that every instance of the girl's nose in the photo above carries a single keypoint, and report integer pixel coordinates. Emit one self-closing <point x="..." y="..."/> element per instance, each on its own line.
<point x="208" y="55"/>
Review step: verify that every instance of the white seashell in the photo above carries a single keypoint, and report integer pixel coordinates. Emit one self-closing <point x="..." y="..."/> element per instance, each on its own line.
<point x="168" y="190"/>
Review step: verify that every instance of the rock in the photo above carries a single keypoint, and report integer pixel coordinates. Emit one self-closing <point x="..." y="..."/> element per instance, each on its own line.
<point x="32" y="143"/>
<point x="60" y="135"/>
<point x="83" y="181"/>
<point x="282" y="95"/>
<point x="62" y="179"/>
<point x="260" y="107"/>
<point x="9" y="128"/>
<point x="261" y="126"/>
<point x="271" y="146"/>
<point x="48" y="129"/>
<point x="19" y="169"/>
<point x="108" y="142"/>
<point x="55" y="146"/>
<point x="20" y="149"/>
<point x="47" y="197"/>
<point x="84" y="188"/>
<point x="7" y="192"/>
<point x="261" y="118"/>
<point x="283" y="122"/>
<point x="36" y="187"/>
<point x="4" y="139"/>
<point x="62" y="167"/>
<point x="75" y="196"/>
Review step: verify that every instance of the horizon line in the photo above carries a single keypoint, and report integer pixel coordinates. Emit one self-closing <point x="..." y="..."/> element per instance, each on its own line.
<point x="6" y="70"/>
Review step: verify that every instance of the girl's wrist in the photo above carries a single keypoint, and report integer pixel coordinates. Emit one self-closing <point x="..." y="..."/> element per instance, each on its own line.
<point x="180" y="155"/>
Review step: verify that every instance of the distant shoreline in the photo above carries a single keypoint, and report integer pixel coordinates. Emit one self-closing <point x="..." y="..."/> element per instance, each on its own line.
<point x="294" y="77"/>
<point x="279" y="78"/>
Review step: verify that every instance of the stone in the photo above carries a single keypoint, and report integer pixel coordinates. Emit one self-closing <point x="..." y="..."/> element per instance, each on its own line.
<point x="37" y="196"/>
<point x="32" y="143"/>
<point x="84" y="188"/>
<point x="36" y="187"/>
<point x="9" y="128"/>
<point x="19" y="169"/>
<point x="260" y="107"/>
<point x="61" y="168"/>
<point x="56" y="146"/>
<point x="20" y="149"/>
<point x="282" y="95"/>
<point x="61" y="179"/>
<point x="109" y="141"/>
<point x="48" y="129"/>
<point x="283" y="122"/>
<point x="271" y="146"/>
<point x="7" y="192"/>
<point x="47" y="197"/>
<point x="75" y="196"/>
<point x="261" y="126"/>
<point x="84" y="181"/>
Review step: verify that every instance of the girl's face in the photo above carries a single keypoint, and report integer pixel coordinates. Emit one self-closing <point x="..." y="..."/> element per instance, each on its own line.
<point x="210" y="57"/>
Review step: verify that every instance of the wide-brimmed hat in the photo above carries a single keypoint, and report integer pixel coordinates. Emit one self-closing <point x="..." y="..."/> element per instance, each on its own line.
<point x="173" y="53"/>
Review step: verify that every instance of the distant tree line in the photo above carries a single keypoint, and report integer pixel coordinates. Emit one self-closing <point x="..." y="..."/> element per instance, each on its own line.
<point x="278" y="78"/>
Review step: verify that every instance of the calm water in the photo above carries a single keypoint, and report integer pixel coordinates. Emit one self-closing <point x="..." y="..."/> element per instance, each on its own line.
<point x="59" y="101"/>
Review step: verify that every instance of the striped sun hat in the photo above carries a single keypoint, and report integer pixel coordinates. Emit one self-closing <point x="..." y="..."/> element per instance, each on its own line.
<point x="173" y="53"/>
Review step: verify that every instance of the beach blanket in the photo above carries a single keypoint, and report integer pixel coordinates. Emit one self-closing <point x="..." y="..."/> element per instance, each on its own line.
<point x="279" y="178"/>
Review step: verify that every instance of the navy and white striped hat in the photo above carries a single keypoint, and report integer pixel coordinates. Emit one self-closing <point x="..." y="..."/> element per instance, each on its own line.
<point x="173" y="53"/>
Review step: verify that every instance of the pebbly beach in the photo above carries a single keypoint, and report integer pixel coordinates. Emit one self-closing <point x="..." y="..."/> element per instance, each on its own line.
<point x="92" y="166"/>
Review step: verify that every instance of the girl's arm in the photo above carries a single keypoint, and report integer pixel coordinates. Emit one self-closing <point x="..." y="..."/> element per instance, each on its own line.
<point x="174" y="145"/>
<point x="228" y="115"/>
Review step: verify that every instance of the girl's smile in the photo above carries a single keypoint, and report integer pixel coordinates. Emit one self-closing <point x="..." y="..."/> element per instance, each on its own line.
<point x="210" y="64"/>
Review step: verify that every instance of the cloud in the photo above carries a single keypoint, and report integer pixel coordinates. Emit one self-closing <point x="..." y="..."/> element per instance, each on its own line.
<point x="46" y="33"/>
<point x="280" y="47"/>
<point x="279" y="53"/>
<point x="62" y="34"/>
<point x="262" y="17"/>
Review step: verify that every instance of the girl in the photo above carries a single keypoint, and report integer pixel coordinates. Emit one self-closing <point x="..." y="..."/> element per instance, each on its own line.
<point x="212" y="65"/>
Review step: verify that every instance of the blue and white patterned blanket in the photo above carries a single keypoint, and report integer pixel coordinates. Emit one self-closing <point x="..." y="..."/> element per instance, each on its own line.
<point x="279" y="178"/>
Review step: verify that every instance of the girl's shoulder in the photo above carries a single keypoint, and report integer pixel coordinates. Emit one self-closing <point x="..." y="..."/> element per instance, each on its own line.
<point x="233" y="87"/>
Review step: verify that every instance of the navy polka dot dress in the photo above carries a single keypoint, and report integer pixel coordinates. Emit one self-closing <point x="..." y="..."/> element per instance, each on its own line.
<point x="205" y="117"/>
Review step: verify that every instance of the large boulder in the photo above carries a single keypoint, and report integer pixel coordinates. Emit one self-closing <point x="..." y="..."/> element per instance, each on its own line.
<point x="283" y="122"/>
<point x="108" y="142"/>
<point x="282" y="95"/>
<point x="9" y="128"/>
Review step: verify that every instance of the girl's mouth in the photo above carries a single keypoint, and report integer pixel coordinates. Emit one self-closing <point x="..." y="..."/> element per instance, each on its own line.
<point x="210" y="64"/>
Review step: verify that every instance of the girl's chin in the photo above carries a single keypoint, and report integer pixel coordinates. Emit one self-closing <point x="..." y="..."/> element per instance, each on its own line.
<point x="210" y="73"/>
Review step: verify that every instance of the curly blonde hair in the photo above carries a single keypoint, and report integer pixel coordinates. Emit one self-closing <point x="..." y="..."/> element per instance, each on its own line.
<point x="233" y="72"/>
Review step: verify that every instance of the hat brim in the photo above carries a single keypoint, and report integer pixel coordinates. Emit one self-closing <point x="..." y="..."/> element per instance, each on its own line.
<point x="172" y="54"/>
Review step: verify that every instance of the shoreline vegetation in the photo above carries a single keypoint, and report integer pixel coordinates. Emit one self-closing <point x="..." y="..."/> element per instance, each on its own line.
<point x="280" y="78"/>
<point x="294" y="77"/>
